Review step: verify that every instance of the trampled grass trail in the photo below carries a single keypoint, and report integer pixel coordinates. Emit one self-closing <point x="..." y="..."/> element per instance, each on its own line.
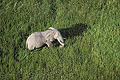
<point x="92" y="45"/>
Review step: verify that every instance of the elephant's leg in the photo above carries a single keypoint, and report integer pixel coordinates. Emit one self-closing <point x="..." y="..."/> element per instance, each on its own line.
<point x="30" y="48"/>
<point x="49" y="43"/>
<point x="38" y="45"/>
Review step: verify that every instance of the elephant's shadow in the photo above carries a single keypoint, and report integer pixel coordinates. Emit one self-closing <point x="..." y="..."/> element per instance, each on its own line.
<point x="74" y="30"/>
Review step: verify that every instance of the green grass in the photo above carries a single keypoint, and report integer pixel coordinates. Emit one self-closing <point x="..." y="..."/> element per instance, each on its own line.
<point x="92" y="47"/>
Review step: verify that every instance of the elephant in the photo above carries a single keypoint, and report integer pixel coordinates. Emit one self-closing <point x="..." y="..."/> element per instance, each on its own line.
<point x="39" y="39"/>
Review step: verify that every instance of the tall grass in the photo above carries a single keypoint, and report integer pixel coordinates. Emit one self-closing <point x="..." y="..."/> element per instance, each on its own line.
<point x="91" y="48"/>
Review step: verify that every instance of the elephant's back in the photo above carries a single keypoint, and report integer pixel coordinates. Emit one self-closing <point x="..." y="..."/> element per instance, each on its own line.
<point x="35" y="38"/>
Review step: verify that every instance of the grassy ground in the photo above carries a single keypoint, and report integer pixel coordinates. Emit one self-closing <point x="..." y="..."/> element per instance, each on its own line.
<point x="92" y="50"/>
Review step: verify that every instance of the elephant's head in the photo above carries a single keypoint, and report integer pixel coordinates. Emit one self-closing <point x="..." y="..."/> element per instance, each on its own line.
<point x="58" y="36"/>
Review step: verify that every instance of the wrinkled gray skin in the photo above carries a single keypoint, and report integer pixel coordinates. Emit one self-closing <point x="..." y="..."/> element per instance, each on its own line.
<point x="38" y="39"/>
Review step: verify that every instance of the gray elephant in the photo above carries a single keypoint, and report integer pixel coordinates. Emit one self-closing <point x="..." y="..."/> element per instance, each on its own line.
<point x="38" y="39"/>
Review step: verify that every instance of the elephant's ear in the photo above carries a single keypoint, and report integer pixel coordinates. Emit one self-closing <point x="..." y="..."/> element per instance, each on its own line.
<point x="56" y="35"/>
<point x="51" y="28"/>
<point x="51" y="39"/>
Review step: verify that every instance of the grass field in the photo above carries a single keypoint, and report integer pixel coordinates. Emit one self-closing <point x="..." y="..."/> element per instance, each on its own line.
<point x="92" y="47"/>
